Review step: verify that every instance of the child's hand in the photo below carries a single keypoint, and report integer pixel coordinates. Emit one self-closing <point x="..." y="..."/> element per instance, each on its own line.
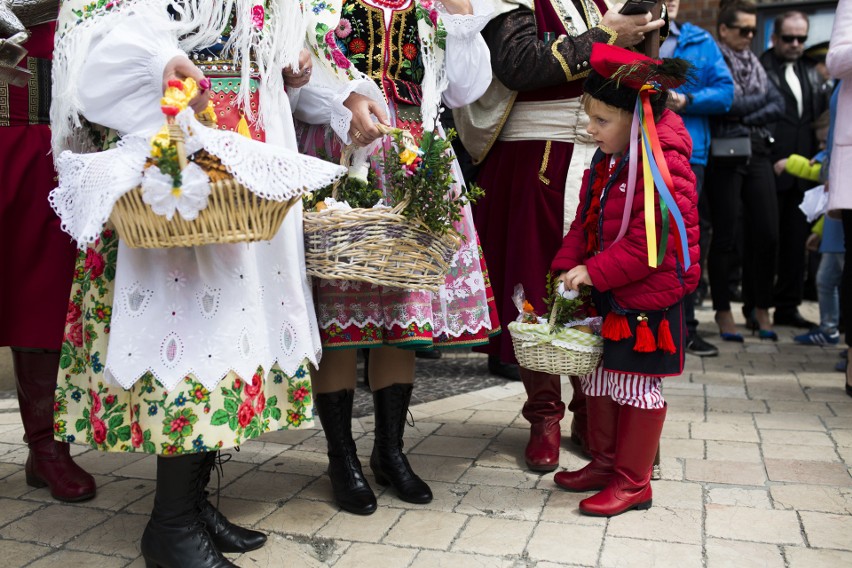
<point x="812" y="244"/>
<point x="575" y="277"/>
<point x="780" y="166"/>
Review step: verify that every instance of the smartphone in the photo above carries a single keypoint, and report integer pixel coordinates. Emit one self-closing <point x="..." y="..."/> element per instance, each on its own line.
<point x="636" y="7"/>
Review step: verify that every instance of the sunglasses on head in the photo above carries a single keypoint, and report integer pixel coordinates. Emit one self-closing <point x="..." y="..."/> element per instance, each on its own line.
<point x="745" y="31"/>
<point x="792" y="38"/>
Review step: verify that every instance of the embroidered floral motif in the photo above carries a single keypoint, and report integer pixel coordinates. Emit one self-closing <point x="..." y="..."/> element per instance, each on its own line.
<point x="93" y="9"/>
<point x="258" y="16"/>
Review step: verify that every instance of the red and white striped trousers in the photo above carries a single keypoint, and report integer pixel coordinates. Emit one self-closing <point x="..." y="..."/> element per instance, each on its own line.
<point x="640" y="391"/>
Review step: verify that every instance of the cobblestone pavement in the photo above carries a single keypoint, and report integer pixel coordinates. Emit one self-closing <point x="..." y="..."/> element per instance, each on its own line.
<point x="756" y="455"/>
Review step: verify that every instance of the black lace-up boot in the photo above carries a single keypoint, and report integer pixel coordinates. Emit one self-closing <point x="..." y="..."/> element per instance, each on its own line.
<point x="175" y="536"/>
<point x="227" y="536"/>
<point x="388" y="463"/>
<point x="351" y="491"/>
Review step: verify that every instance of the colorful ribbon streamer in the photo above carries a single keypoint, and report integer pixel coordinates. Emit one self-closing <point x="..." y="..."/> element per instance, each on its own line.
<point x="655" y="172"/>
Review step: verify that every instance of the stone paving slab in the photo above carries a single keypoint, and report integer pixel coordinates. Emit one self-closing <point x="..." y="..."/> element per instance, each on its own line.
<point x="756" y="451"/>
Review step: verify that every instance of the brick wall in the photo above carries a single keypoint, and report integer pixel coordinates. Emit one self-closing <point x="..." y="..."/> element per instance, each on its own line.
<point x="703" y="12"/>
<point x="699" y="12"/>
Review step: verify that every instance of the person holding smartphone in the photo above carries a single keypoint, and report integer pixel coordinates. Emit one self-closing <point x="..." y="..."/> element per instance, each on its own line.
<point x="528" y="133"/>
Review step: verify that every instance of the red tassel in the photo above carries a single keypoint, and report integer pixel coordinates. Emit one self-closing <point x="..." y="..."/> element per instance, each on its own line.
<point x="615" y="327"/>
<point x="664" y="337"/>
<point x="644" y="337"/>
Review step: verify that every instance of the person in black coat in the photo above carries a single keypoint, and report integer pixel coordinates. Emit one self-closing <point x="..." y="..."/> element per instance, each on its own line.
<point x="744" y="190"/>
<point x="801" y="85"/>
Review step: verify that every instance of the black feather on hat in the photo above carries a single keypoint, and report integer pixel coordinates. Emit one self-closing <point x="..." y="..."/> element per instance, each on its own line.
<point x="618" y="74"/>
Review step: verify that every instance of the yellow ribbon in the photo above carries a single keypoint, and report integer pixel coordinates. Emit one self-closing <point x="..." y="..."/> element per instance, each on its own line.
<point x="650" y="215"/>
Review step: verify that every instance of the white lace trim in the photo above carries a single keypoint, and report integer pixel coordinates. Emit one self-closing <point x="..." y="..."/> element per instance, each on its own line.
<point x="466" y="26"/>
<point x="268" y="170"/>
<point x="419" y="322"/>
<point x="90" y="184"/>
<point x="210" y="382"/>
<point x="341" y="117"/>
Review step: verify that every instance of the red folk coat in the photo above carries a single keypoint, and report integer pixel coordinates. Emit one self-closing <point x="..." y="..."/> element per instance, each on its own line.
<point x="622" y="268"/>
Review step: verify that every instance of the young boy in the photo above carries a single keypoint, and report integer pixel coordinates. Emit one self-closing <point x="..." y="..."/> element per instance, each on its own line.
<point x="641" y="263"/>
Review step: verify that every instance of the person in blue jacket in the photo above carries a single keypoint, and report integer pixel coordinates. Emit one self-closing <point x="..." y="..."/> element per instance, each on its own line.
<point x="711" y="91"/>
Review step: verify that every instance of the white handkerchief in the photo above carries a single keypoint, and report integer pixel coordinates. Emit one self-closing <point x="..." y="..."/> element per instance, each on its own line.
<point x="814" y="203"/>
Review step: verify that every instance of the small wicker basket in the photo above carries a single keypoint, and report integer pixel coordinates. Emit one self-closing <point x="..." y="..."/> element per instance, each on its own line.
<point x="377" y="246"/>
<point x="233" y="213"/>
<point x="565" y="352"/>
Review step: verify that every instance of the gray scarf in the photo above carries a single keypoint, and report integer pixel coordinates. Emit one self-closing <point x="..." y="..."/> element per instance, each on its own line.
<point x="749" y="75"/>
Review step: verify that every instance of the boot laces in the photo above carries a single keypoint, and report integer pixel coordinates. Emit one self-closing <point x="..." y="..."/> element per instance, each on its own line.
<point x="219" y="462"/>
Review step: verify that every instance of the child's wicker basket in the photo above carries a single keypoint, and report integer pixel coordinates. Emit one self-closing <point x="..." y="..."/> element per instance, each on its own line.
<point x="563" y="352"/>
<point x="233" y="213"/>
<point x="377" y="245"/>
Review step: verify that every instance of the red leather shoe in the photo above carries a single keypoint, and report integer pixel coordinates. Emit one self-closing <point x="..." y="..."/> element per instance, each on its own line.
<point x="603" y="424"/>
<point x="542" y="453"/>
<point x="636" y="445"/>
<point x="49" y="463"/>
<point x="543" y="409"/>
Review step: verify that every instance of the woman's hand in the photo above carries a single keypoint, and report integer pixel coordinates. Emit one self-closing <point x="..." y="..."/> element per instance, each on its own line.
<point x="362" y="130"/>
<point x="676" y="101"/>
<point x="630" y="30"/>
<point x="300" y="78"/>
<point x="575" y="277"/>
<point x="180" y="67"/>
<point x="458" y="7"/>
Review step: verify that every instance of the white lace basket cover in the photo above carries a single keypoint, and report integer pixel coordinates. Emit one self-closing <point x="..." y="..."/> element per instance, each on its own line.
<point x="205" y="310"/>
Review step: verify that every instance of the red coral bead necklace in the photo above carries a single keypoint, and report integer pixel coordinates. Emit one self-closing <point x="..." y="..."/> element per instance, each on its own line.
<point x="389" y="4"/>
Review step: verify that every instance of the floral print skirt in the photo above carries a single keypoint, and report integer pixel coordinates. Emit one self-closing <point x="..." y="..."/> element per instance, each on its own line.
<point x="147" y="418"/>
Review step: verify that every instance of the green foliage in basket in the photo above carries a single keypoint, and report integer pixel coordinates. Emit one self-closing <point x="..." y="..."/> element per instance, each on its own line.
<point x="423" y="172"/>
<point x="165" y="157"/>
<point x="425" y="175"/>
<point x="354" y="191"/>
<point x="567" y="310"/>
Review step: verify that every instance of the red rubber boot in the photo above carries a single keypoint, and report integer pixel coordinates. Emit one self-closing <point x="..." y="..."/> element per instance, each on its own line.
<point x="635" y="447"/>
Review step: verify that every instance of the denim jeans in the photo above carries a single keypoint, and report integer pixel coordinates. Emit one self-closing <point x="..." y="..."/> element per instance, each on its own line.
<point x="828" y="290"/>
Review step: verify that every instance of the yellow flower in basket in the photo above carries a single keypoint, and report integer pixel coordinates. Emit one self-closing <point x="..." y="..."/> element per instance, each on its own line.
<point x="407" y="157"/>
<point x="160" y="141"/>
<point x="177" y="95"/>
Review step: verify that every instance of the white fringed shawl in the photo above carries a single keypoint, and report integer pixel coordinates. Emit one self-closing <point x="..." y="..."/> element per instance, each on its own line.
<point x="270" y="46"/>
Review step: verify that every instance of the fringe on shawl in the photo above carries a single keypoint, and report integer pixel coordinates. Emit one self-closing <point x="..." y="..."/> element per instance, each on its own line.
<point x="199" y="24"/>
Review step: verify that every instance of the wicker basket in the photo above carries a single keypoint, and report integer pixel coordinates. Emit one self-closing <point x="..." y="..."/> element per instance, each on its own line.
<point x="565" y="352"/>
<point x="233" y="213"/>
<point x="377" y="246"/>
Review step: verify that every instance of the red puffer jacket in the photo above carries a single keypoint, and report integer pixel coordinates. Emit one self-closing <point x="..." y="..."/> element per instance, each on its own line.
<point x="622" y="268"/>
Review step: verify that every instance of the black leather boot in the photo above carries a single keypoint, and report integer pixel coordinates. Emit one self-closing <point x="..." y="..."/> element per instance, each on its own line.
<point x="387" y="461"/>
<point x="227" y="536"/>
<point x="351" y="491"/>
<point x="175" y="536"/>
